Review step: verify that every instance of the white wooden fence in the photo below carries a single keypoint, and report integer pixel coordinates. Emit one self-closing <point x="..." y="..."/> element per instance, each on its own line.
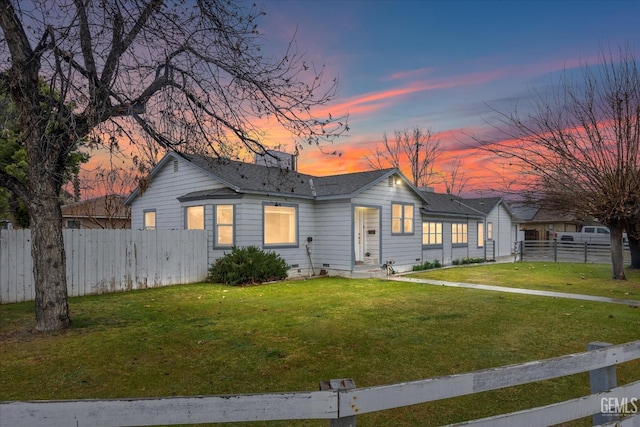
<point x="341" y="404"/>
<point x="100" y="261"/>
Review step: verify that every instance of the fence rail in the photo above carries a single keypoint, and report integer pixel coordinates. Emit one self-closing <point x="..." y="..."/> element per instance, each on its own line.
<point x="554" y="251"/>
<point x="342" y="404"/>
<point x="100" y="261"/>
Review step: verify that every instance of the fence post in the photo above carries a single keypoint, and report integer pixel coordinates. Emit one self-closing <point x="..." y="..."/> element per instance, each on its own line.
<point x="555" y="251"/>
<point x="602" y="379"/>
<point x="586" y="251"/>
<point x="343" y="384"/>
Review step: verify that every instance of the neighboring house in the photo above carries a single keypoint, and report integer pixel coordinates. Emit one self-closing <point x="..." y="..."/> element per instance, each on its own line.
<point x="340" y="224"/>
<point x="105" y="212"/>
<point x="539" y="223"/>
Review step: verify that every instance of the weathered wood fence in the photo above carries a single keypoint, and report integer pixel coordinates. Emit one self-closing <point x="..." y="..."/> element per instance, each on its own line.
<point x="100" y="261"/>
<point x="341" y="404"/>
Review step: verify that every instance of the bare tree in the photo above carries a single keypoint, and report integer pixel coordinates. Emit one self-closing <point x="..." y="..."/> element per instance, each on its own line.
<point x="112" y="184"/>
<point x="415" y="151"/>
<point x="580" y="146"/>
<point x="455" y="180"/>
<point x="123" y="67"/>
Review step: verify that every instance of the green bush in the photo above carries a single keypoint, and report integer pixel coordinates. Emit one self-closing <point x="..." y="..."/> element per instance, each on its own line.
<point x="466" y="261"/>
<point x="427" y="265"/>
<point x="247" y="265"/>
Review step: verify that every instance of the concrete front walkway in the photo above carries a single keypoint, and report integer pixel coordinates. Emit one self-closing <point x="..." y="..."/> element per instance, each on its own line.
<point x="633" y="303"/>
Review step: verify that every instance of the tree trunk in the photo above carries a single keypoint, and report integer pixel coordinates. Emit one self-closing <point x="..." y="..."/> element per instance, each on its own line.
<point x="617" y="255"/>
<point x="634" y="248"/>
<point x="47" y="251"/>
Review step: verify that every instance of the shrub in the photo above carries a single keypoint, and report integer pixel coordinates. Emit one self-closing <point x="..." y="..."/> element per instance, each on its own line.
<point x="427" y="265"/>
<point x="247" y="265"/>
<point x="466" y="261"/>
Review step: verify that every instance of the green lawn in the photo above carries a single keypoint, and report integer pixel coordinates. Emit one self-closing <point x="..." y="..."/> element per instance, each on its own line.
<point x="212" y="339"/>
<point x="588" y="279"/>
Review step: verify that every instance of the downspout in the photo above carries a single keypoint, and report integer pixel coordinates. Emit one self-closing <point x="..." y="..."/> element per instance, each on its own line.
<point x="313" y="272"/>
<point x="313" y="193"/>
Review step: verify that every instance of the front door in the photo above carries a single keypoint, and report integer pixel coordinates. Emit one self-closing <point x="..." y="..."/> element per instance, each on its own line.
<point x="359" y="235"/>
<point x="366" y="235"/>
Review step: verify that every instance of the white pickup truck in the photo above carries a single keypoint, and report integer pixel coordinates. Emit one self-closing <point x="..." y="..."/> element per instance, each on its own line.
<point x="589" y="233"/>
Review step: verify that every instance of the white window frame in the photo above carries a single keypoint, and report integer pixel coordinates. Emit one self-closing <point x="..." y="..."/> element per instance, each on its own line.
<point x="402" y="224"/>
<point x="145" y="225"/>
<point x="459" y="233"/>
<point x="189" y="221"/>
<point x="220" y="225"/>
<point x="291" y="211"/>
<point x="431" y="233"/>
<point x="489" y="231"/>
<point x="480" y="234"/>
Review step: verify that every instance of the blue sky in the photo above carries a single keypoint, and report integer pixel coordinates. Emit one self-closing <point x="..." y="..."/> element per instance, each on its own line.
<point x="436" y="64"/>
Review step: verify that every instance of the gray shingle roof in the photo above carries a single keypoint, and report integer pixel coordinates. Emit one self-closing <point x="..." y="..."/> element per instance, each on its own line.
<point x="349" y="183"/>
<point x="438" y="203"/>
<point x="251" y="178"/>
<point x="484" y="205"/>
<point x="240" y="177"/>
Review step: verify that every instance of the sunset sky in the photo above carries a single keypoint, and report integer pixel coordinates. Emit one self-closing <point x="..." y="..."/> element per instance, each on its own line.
<point x="438" y="64"/>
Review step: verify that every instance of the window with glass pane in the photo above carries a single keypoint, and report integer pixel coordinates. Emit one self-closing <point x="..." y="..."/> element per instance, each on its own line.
<point x="489" y="231"/>
<point x="401" y="218"/>
<point x="195" y="218"/>
<point x="224" y="225"/>
<point x="480" y="234"/>
<point x="74" y="223"/>
<point x="459" y="233"/>
<point x="408" y="219"/>
<point x="149" y="222"/>
<point x="431" y="233"/>
<point x="280" y="225"/>
<point x="396" y="218"/>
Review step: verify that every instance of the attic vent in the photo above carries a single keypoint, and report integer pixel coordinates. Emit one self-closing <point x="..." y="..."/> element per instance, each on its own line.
<point x="391" y="180"/>
<point x="175" y="166"/>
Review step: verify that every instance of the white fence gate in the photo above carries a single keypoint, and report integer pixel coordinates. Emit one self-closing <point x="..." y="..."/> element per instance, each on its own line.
<point x="100" y="261"/>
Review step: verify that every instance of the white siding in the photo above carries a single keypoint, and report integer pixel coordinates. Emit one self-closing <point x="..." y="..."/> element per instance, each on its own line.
<point x="405" y="250"/>
<point x="249" y="229"/>
<point x="473" y="250"/>
<point x="502" y="231"/>
<point x="448" y="253"/>
<point x="162" y="195"/>
<point x="332" y="241"/>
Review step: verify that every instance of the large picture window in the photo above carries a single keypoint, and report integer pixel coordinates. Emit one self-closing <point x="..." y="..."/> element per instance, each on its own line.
<point x="149" y="220"/>
<point x="431" y="233"/>
<point x="280" y="225"/>
<point x="401" y="218"/>
<point x="195" y="217"/>
<point x="459" y="233"/>
<point x="224" y="225"/>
